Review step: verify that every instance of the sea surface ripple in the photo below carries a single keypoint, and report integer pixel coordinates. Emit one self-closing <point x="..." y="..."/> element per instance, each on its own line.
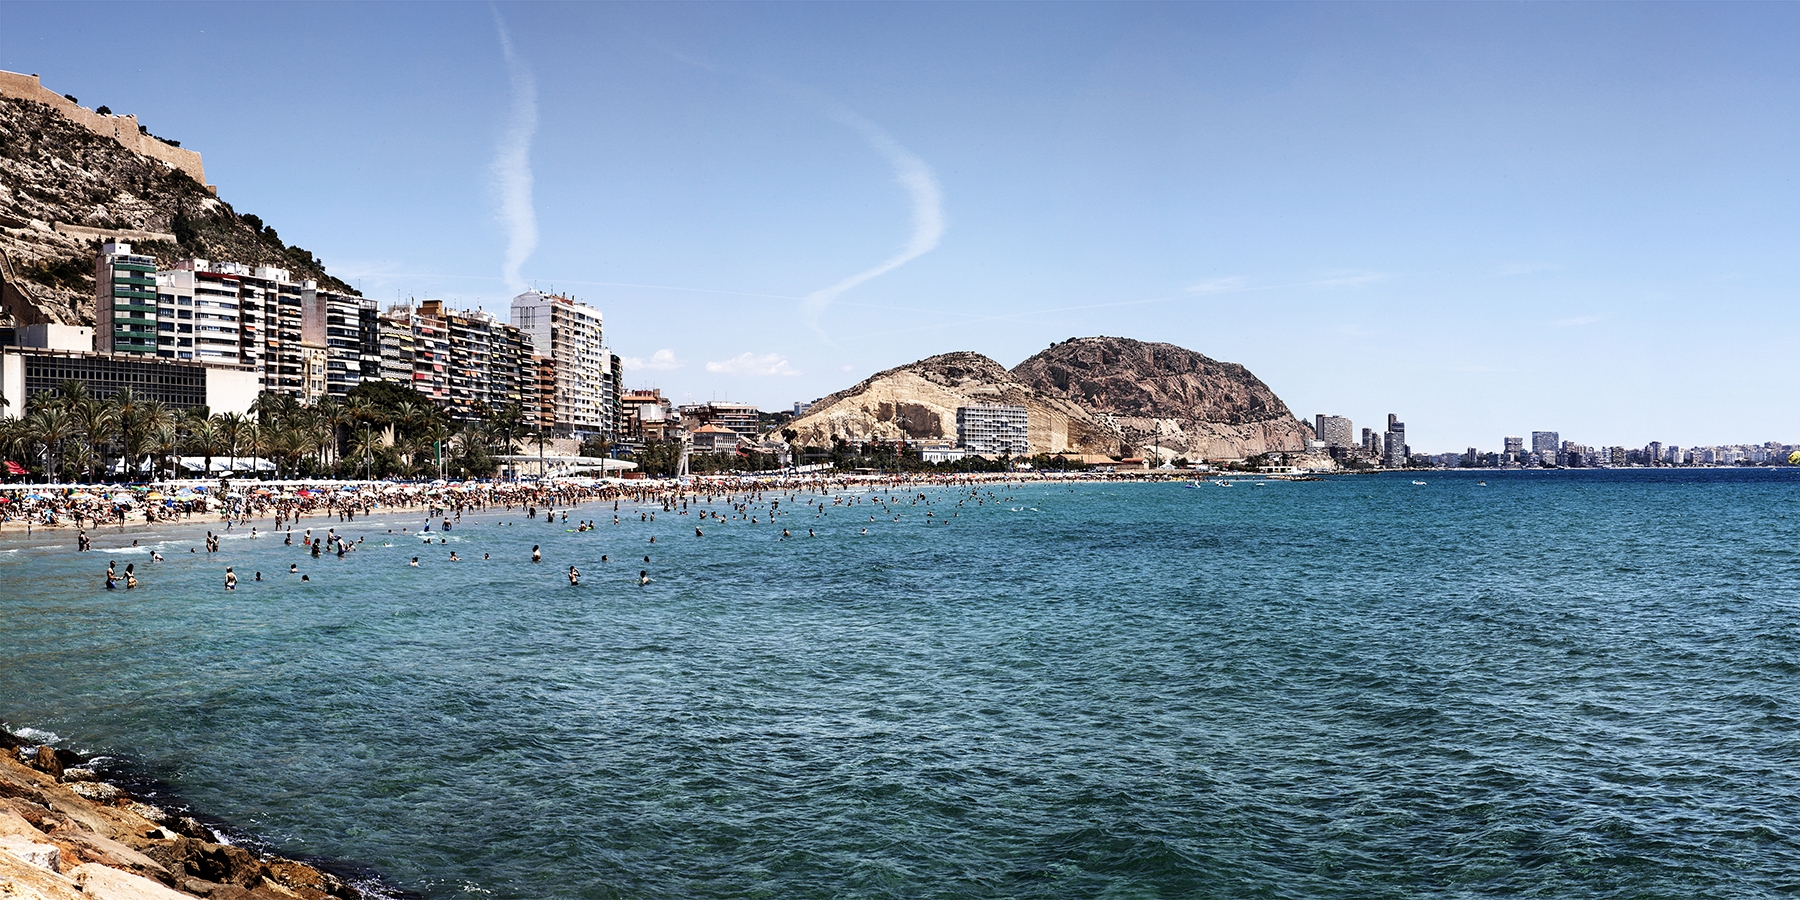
<point x="1552" y="685"/>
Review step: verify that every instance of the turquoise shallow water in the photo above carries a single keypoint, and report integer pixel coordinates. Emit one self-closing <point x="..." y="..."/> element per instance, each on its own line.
<point x="1556" y="685"/>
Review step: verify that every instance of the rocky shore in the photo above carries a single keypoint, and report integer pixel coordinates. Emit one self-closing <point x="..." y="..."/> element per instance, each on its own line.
<point x="66" y="834"/>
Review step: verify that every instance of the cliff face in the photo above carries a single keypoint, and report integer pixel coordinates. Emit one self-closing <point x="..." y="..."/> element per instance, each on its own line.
<point x="918" y="401"/>
<point x="1107" y="396"/>
<point x="1159" y="394"/>
<point x="63" y="187"/>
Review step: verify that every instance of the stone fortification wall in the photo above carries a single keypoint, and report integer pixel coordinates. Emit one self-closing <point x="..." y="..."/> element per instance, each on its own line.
<point x="123" y="129"/>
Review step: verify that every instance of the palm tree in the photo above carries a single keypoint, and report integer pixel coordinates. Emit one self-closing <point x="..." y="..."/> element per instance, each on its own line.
<point x="128" y="410"/>
<point x="50" y="425"/>
<point x="165" y="442"/>
<point x="364" y="413"/>
<point x="365" y="445"/>
<point x="72" y="391"/>
<point x="231" y="428"/>
<point x="96" y="419"/>
<point x="256" y="436"/>
<point x="154" y="419"/>
<point x="206" y="437"/>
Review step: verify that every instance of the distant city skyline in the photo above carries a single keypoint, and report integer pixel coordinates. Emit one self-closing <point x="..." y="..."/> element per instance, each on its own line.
<point x="1489" y="219"/>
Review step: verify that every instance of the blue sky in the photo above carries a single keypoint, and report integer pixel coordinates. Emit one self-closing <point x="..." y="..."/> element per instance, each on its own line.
<point x="1488" y="219"/>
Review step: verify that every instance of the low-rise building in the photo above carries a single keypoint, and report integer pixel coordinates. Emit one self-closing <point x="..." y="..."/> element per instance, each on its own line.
<point x="714" y="439"/>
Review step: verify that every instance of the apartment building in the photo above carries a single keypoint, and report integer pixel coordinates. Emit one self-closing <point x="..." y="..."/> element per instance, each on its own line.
<point x="994" y="429"/>
<point x="741" y="418"/>
<point x="569" y="334"/>
<point x="308" y="342"/>
<point x="124" y="301"/>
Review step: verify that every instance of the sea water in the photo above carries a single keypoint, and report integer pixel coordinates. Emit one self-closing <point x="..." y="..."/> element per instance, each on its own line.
<point x="1559" y="684"/>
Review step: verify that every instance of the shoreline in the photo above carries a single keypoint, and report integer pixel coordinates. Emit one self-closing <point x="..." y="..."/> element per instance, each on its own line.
<point x="74" y="827"/>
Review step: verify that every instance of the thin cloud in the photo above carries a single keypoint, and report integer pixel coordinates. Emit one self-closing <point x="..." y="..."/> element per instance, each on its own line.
<point x="1511" y="270"/>
<point x="928" y="212"/>
<point x="1351" y="280"/>
<point x="912" y="172"/>
<point x="751" y="364"/>
<point x="1219" y="286"/>
<point x="512" y="164"/>
<point x="660" y="360"/>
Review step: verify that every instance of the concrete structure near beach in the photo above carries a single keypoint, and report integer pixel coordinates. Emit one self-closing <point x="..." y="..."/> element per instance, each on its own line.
<point x="1334" y="431"/>
<point x="994" y="429"/>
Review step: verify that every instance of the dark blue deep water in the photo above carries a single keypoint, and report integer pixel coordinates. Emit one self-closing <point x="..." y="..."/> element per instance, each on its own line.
<point x="1554" y="685"/>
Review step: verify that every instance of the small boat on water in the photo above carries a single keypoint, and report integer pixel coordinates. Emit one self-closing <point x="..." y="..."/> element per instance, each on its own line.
<point x="1418" y="482"/>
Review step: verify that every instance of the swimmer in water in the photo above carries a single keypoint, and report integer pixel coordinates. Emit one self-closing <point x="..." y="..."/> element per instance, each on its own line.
<point x="130" y="576"/>
<point x="306" y="578"/>
<point x="643" y="577"/>
<point x="454" y="557"/>
<point x="536" y="554"/>
<point x="293" y="568"/>
<point x="697" y="532"/>
<point x="259" y="576"/>
<point x="230" y="579"/>
<point x="574" y="575"/>
<point x="414" y="563"/>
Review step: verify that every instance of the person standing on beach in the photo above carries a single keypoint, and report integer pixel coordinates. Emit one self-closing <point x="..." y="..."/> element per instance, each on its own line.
<point x="230" y="579"/>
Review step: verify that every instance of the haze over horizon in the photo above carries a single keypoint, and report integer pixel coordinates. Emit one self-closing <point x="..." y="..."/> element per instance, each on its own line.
<point x="1486" y="219"/>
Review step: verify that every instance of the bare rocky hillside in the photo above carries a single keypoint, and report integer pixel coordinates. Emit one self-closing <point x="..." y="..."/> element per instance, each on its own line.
<point x="55" y="172"/>
<point x="1104" y="396"/>
<point x="1159" y="394"/>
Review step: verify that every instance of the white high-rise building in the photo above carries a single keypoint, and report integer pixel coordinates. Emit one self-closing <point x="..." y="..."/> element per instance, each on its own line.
<point x="569" y="334"/>
<point x="994" y="429"/>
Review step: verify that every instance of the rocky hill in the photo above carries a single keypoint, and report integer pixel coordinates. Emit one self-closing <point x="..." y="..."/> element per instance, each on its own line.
<point x="64" y="187"/>
<point x="1104" y="396"/>
<point x="1160" y="394"/>
<point x="918" y="401"/>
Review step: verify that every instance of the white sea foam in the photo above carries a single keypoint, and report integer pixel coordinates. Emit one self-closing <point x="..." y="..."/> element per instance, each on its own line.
<point x="37" y="734"/>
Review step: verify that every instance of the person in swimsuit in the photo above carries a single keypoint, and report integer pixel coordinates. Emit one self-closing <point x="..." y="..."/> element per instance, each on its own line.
<point x="230" y="579"/>
<point x="574" y="575"/>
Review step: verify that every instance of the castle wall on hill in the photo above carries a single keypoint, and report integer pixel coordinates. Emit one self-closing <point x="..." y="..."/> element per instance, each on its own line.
<point x="123" y="129"/>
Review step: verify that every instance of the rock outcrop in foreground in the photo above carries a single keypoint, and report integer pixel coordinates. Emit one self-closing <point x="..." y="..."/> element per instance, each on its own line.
<point x="65" y="836"/>
<point x="1100" y="396"/>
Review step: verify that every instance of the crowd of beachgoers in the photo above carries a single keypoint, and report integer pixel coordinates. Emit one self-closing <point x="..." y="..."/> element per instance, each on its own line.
<point x="29" y="507"/>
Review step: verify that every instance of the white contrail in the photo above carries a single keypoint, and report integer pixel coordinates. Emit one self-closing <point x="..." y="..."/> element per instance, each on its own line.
<point x="512" y="164"/>
<point x="928" y="212"/>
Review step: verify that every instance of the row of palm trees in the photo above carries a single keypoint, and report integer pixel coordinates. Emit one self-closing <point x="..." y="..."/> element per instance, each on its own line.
<point x="72" y="435"/>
